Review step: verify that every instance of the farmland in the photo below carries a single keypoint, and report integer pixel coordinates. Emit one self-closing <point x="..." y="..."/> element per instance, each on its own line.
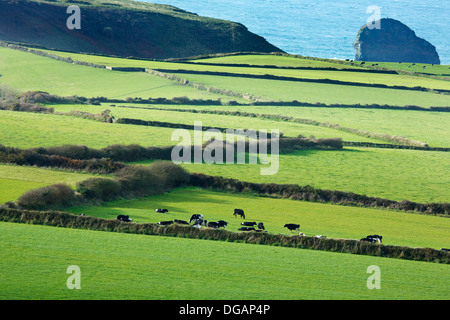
<point x="350" y="109"/>
<point x="104" y="257"/>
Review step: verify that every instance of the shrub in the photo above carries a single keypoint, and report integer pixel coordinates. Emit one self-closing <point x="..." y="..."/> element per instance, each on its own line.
<point x="56" y="196"/>
<point x="99" y="189"/>
<point x="140" y="181"/>
<point x="172" y="174"/>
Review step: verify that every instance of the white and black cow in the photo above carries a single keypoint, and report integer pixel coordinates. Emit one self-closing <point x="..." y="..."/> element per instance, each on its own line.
<point x="195" y="217"/>
<point x="124" y="218"/>
<point x="246" y="229"/>
<point x="292" y="226"/>
<point x="372" y="239"/>
<point x="222" y="224"/>
<point x="377" y="238"/>
<point x="165" y="223"/>
<point x="239" y="212"/>
<point x="162" y="210"/>
<point x="200" y="222"/>
<point x="214" y="225"/>
<point x="248" y="224"/>
<point x="181" y="221"/>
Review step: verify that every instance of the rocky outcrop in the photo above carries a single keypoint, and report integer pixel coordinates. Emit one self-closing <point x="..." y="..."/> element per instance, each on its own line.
<point x="129" y="28"/>
<point x="393" y="42"/>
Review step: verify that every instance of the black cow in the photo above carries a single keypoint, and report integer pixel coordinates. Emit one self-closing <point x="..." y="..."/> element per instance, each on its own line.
<point x="214" y="225"/>
<point x="162" y="210"/>
<point x="248" y="224"/>
<point x="261" y="226"/>
<point x="222" y="224"/>
<point x="124" y="218"/>
<point x="181" y="221"/>
<point x="239" y="212"/>
<point x="246" y="229"/>
<point x="292" y="226"/>
<point x="446" y="250"/>
<point x="165" y="223"/>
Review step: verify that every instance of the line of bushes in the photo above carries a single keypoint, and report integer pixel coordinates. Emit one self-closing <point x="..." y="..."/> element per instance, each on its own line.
<point x="140" y="122"/>
<point x="35" y="158"/>
<point x="309" y="193"/>
<point x="66" y="220"/>
<point x="392" y="146"/>
<point x="284" y="78"/>
<point x="127" y="183"/>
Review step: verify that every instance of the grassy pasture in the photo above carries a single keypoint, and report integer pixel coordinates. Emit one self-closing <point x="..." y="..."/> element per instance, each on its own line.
<point x="289" y="129"/>
<point x="29" y="130"/>
<point x="299" y="62"/>
<point x="429" y="127"/>
<point x="161" y="268"/>
<point x="372" y="78"/>
<point x="333" y="221"/>
<point x="385" y="173"/>
<point x="281" y="90"/>
<point x="16" y="180"/>
<point x="28" y="72"/>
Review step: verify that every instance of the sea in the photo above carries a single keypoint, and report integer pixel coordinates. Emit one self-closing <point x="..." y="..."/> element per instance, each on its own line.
<point x="326" y="29"/>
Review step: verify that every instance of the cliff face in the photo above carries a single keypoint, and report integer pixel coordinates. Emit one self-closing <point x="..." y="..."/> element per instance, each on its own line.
<point x="393" y="42"/>
<point x="143" y="31"/>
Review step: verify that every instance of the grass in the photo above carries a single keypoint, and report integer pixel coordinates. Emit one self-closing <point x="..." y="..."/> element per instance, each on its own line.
<point x="385" y="173"/>
<point x="29" y="130"/>
<point x="16" y="180"/>
<point x="333" y="221"/>
<point x="360" y="77"/>
<point x="161" y="268"/>
<point x="221" y="121"/>
<point x="429" y="127"/>
<point x="28" y="72"/>
<point x="318" y="92"/>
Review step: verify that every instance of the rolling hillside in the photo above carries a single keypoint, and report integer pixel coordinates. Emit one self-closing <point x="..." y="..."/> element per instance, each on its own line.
<point x="124" y="28"/>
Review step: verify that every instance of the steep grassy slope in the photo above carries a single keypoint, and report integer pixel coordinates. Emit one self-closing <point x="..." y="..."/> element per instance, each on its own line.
<point x="124" y="28"/>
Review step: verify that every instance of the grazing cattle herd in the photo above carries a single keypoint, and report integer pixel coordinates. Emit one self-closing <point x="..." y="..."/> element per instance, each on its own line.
<point x="197" y="221"/>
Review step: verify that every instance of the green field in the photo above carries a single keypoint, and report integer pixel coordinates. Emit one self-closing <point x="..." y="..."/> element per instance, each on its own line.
<point x="16" y="180"/>
<point x="333" y="221"/>
<point x="162" y="268"/>
<point x="28" y="72"/>
<point x="428" y="127"/>
<point x="385" y="173"/>
<point x="34" y="258"/>
<point x="278" y="90"/>
<point x="359" y="77"/>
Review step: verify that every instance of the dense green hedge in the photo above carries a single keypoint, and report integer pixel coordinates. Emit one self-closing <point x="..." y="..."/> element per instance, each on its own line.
<point x="66" y="220"/>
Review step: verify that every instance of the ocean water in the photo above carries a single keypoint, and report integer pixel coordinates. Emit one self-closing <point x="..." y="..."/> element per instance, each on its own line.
<point x="324" y="28"/>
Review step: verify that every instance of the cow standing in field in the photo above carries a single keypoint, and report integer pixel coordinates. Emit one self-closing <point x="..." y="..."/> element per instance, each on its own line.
<point x="239" y="212"/>
<point x="261" y="226"/>
<point x="292" y="226"/>
<point x="222" y="224"/>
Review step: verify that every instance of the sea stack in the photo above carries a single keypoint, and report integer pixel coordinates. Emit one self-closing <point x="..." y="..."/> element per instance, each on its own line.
<point x="393" y="42"/>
